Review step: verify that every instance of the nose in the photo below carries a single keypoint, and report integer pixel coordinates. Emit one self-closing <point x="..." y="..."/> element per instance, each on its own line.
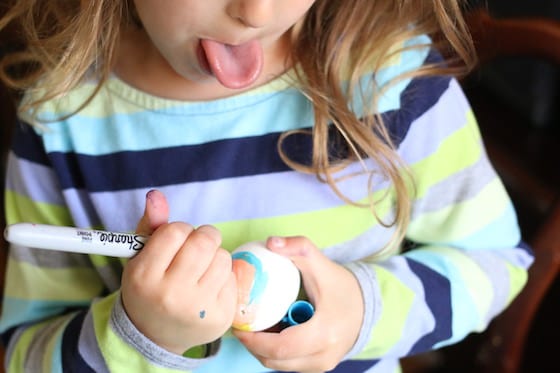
<point x="251" y="13"/>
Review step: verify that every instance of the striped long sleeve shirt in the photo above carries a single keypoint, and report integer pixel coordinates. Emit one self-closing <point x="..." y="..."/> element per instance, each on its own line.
<point x="217" y="162"/>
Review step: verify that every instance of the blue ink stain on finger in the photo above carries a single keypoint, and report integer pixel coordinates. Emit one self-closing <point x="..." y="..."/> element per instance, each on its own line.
<point x="202" y="314"/>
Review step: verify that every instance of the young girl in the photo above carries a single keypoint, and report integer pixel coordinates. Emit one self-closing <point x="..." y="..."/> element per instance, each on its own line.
<point x="332" y="130"/>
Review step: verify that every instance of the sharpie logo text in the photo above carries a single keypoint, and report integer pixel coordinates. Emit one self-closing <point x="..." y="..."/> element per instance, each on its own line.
<point x="135" y="242"/>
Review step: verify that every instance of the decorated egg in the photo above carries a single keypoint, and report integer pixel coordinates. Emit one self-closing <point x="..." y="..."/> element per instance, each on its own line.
<point x="267" y="285"/>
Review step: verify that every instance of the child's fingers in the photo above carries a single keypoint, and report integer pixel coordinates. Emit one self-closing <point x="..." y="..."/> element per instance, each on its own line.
<point x="218" y="273"/>
<point x="162" y="247"/>
<point x="196" y="253"/>
<point x="278" y="350"/>
<point x="306" y="257"/>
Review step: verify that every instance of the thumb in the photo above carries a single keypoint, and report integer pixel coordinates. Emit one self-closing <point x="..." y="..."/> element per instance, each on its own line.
<point x="156" y="213"/>
<point x="306" y="257"/>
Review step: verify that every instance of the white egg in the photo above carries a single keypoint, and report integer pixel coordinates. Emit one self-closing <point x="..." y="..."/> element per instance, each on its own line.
<point x="268" y="283"/>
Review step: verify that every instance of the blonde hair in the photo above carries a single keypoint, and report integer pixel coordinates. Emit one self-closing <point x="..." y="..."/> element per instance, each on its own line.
<point x="67" y="41"/>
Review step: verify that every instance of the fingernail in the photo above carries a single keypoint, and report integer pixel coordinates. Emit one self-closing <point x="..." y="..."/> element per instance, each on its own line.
<point x="149" y="196"/>
<point x="277" y="241"/>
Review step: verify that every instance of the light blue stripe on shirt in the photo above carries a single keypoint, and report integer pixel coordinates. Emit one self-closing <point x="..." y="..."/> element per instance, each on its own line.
<point x="16" y="311"/>
<point x="97" y="136"/>
<point x="496" y="235"/>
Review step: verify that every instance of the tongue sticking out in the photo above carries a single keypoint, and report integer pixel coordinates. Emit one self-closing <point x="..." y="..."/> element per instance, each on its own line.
<point x="235" y="66"/>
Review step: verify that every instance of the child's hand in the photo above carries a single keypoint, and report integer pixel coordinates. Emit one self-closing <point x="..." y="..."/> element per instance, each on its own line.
<point x="180" y="290"/>
<point x="320" y="343"/>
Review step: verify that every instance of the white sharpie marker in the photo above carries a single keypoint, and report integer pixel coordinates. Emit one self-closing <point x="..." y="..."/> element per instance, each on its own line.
<point x="116" y="244"/>
<point x="76" y="240"/>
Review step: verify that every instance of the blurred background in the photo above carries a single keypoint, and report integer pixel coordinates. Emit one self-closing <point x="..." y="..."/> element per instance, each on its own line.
<point x="529" y="86"/>
<point x="516" y="100"/>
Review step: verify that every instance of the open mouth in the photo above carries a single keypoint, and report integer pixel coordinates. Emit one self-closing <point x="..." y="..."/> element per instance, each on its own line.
<point x="203" y="60"/>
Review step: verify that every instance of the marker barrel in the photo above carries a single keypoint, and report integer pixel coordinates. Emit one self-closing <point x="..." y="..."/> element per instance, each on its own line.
<point x="77" y="240"/>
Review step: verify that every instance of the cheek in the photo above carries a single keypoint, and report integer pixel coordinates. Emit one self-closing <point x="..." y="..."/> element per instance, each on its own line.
<point x="174" y="42"/>
<point x="165" y="23"/>
<point x="178" y="53"/>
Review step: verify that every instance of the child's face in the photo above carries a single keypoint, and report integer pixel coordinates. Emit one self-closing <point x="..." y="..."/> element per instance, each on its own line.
<point x="249" y="36"/>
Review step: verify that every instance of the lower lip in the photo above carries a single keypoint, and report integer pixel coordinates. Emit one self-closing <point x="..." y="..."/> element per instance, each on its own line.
<point x="202" y="60"/>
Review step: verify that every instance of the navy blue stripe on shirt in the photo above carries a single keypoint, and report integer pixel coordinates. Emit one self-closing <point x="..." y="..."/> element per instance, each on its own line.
<point x="416" y="102"/>
<point x="28" y="145"/>
<point x="7" y="335"/>
<point x="523" y="245"/>
<point x="353" y="366"/>
<point x="72" y="361"/>
<point x="350" y="366"/>
<point x="211" y="161"/>
<point x="440" y="306"/>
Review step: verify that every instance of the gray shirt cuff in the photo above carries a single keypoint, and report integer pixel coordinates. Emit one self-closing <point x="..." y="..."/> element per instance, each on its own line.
<point x="154" y="354"/>
<point x="372" y="304"/>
